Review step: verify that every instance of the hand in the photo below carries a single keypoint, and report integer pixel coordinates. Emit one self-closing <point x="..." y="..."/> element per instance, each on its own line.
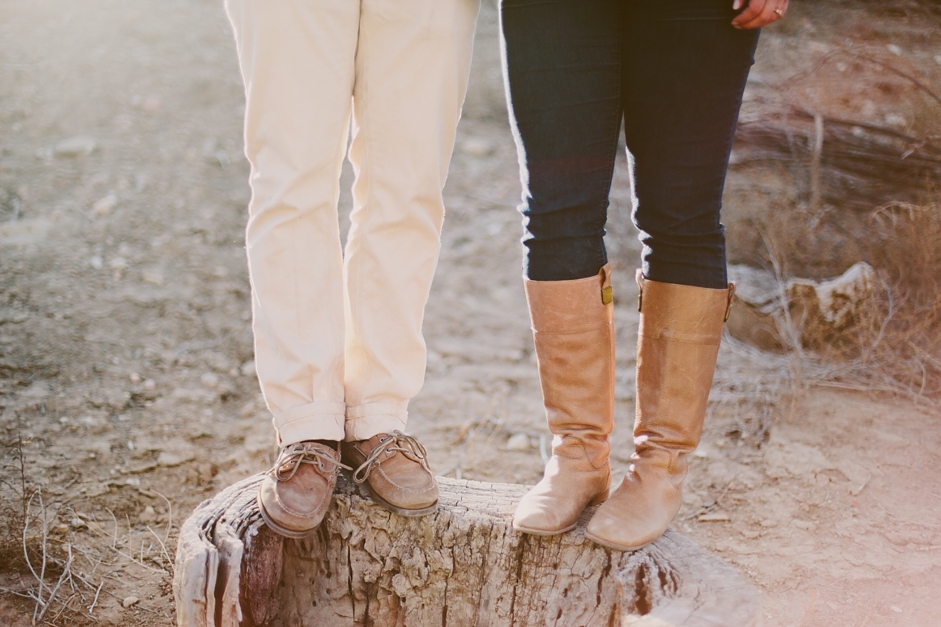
<point x="758" y="13"/>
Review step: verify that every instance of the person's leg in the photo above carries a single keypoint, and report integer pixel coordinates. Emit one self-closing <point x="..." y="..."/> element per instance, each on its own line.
<point x="297" y="61"/>
<point x="685" y="68"/>
<point x="412" y="68"/>
<point x="562" y="63"/>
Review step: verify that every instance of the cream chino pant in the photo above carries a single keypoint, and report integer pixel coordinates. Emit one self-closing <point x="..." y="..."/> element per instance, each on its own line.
<point x="338" y="343"/>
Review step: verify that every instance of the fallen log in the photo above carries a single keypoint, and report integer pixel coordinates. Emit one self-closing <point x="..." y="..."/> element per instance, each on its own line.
<point x="463" y="566"/>
<point x="775" y="315"/>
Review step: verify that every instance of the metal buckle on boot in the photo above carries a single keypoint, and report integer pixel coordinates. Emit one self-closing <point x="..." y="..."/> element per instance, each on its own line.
<point x="607" y="295"/>
<point x="728" y="310"/>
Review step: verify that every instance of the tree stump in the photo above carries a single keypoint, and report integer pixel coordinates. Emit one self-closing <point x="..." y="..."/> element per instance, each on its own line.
<point x="462" y="566"/>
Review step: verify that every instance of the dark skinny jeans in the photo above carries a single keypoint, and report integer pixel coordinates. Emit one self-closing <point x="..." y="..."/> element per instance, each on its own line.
<point x="674" y="71"/>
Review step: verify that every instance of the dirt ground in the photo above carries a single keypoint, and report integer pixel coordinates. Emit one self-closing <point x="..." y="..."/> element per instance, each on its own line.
<point x="127" y="388"/>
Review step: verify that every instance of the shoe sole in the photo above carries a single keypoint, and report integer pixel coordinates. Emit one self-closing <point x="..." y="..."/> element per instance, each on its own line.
<point x="598" y="500"/>
<point x="544" y="532"/>
<point x="283" y="531"/>
<point x="616" y="547"/>
<point x="401" y="511"/>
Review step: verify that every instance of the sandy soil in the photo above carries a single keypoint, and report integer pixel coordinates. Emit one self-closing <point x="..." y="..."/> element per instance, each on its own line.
<point x="126" y="378"/>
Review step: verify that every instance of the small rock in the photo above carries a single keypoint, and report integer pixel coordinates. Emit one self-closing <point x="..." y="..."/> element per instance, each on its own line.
<point x="104" y="206"/>
<point x="24" y="231"/>
<point x="151" y="104"/>
<point x="152" y="276"/>
<point x="129" y="601"/>
<point x="518" y="442"/>
<point x="169" y="459"/>
<point x="896" y="50"/>
<point x="476" y="147"/>
<point x="193" y="395"/>
<point x="718" y="517"/>
<point x="96" y="262"/>
<point x="895" y="119"/>
<point x="148" y="515"/>
<point x="78" y="523"/>
<point x="221" y="157"/>
<point x="75" y="146"/>
<point x="248" y="368"/>
<point x="135" y="378"/>
<point x="204" y="473"/>
<point x="210" y="380"/>
<point x="247" y="409"/>
<point x="118" y="263"/>
<point x="150" y="385"/>
<point x="130" y="445"/>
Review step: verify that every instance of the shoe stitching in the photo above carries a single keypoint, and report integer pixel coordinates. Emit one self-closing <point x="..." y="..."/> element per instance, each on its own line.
<point x="306" y="513"/>
<point x="396" y="442"/>
<point x="289" y="462"/>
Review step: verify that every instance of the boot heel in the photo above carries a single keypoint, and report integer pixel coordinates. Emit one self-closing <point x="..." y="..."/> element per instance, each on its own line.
<point x="598" y="500"/>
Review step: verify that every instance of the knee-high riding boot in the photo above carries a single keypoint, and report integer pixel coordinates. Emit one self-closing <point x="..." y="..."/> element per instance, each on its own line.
<point x="677" y="347"/>
<point x="573" y="330"/>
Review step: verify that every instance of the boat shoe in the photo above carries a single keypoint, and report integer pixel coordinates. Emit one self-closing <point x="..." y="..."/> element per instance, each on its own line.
<point x="295" y="494"/>
<point x="394" y="467"/>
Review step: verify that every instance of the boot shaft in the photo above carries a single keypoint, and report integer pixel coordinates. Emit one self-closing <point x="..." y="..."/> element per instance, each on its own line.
<point x="573" y="333"/>
<point x="677" y="346"/>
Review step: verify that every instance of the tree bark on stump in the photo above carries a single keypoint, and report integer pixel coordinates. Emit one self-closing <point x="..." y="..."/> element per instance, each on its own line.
<point x="462" y="566"/>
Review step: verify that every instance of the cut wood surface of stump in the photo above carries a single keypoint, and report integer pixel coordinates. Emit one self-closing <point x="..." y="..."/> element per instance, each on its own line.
<point x="462" y="566"/>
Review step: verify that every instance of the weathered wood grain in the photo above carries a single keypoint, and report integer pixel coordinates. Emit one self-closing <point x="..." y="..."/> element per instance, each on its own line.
<point x="463" y="566"/>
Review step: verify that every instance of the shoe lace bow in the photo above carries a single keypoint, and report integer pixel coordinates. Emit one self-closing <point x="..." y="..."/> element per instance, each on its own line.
<point x="395" y="442"/>
<point x="292" y="457"/>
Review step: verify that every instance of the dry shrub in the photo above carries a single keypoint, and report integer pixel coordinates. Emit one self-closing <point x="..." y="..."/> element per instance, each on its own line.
<point x="16" y="489"/>
<point x="904" y="339"/>
<point x="893" y="342"/>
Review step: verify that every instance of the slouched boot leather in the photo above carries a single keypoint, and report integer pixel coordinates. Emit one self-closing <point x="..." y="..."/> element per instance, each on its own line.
<point x="677" y="347"/>
<point x="573" y="331"/>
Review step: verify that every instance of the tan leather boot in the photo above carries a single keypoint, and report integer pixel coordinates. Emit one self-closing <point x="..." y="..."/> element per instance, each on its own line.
<point x="677" y="346"/>
<point x="573" y="329"/>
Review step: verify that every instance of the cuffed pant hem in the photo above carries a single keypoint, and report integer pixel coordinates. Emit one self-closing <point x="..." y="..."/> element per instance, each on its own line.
<point x="365" y="421"/>
<point x="321" y="420"/>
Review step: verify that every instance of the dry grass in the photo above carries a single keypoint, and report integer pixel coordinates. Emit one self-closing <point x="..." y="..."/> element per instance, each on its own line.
<point x="57" y="560"/>
<point x="853" y="188"/>
<point x="894" y="341"/>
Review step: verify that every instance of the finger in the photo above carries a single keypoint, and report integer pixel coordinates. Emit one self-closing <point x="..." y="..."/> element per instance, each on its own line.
<point x="768" y="14"/>
<point x="752" y="11"/>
